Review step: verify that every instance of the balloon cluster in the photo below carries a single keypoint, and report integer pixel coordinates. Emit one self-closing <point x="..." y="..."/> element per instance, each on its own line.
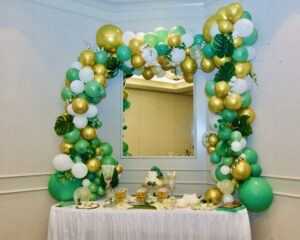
<point x="126" y="105"/>
<point x="229" y="36"/>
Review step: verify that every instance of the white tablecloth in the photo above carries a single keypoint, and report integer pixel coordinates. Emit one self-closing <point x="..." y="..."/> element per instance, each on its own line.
<point x="180" y="224"/>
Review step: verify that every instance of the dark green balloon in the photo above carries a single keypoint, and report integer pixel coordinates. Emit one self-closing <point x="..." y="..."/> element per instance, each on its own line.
<point x="92" y="88"/>
<point x="81" y="146"/>
<point x="101" y="57"/>
<point x="210" y="88"/>
<point x="238" y="153"/>
<point x="124" y="53"/>
<point x="86" y="97"/>
<point x="207" y="51"/>
<point x="90" y="176"/>
<point x="240" y="54"/>
<point x="251" y="155"/>
<point x="93" y="187"/>
<point x="220" y="150"/>
<point x="162" y="49"/>
<point x="101" y="191"/>
<point x="109" y="160"/>
<point x="227" y="161"/>
<point x="125" y="147"/>
<point x="251" y="39"/>
<point x="247" y="15"/>
<point x="66" y="93"/>
<point x="126" y="69"/>
<point x="93" y="197"/>
<point x="256" y="170"/>
<point x="106" y="148"/>
<point x="72" y="136"/>
<point x="215" y="158"/>
<point x="198" y="39"/>
<point x="224" y="133"/>
<point x="246" y="99"/>
<point x="221" y="176"/>
<point x="72" y="74"/>
<point x="76" y="158"/>
<point x="95" y="99"/>
<point x="96" y="142"/>
<point x="229" y="115"/>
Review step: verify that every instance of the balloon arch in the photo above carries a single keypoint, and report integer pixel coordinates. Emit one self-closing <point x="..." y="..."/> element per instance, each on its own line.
<point x="226" y="44"/>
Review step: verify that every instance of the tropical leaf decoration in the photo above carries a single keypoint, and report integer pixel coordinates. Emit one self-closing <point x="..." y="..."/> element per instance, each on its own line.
<point x="94" y="122"/>
<point x="225" y="73"/>
<point x="240" y="124"/>
<point x="64" y="124"/>
<point x="113" y="65"/>
<point x="222" y="46"/>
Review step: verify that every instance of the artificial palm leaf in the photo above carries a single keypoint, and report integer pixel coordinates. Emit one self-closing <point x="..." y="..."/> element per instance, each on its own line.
<point x="222" y="46"/>
<point x="64" y="124"/>
<point x="240" y="124"/>
<point x="225" y="73"/>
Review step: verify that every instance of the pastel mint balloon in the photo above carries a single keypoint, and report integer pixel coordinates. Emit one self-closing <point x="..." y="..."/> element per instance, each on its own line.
<point x="96" y="142"/>
<point x="178" y="30"/>
<point x="92" y="88"/>
<point x="81" y="146"/>
<point x="246" y="99"/>
<point x="124" y="53"/>
<point x="93" y="197"/>
<point x="86" y="97"/>
<point x="126" y="69"/>
<point x="106" y="148"/>
<point x="161" y="33"/>
<point x="198" y="39"/>
<point x="220" y="150"/>
<point x="251" y="155"/>
<point x="236" y="136"/>
<point x="72" y="136"/>
<point x="224" y="133"/>
<point x="101" y="57"/>
<point x="72" y="74"/>
<point x="162" y="48"/>
<point x="150" y="38"/>
<point x="247" y="15"/>
<point x="251" y="39"/>
<point x="220" y="176"/>
<point x="210" y="88"/>
<point x="227" y="161"/>
<point x="255" y="170"/>
<point x="207" y="51"/>
<point x="215" y="158"/>
<point x="102" y="93"/>
<point x="240" y="54"/>
<point x="66" y="93"/>
<point x="93" y="187"/>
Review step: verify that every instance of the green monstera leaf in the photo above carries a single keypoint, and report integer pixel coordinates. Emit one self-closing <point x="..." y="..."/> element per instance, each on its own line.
<point x="64" y="124"/>
<point x="240" y="124"/>
<point x="225" y="73"/>
<point x="222" y="46"/>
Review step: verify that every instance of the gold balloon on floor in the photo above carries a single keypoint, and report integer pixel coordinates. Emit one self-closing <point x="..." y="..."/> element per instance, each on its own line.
<point x="213" y="195"/>
<point x="89" y="133"/>
<point x="211" y="21"/>
<point x="216" y="104"/>
<point x="234" y="12"/>
<point x="68" y="84"/>
<point x="87" y="57"/>
<point x="241" y="171"/>
<point x="119" y="168"/>
<point x="237" y="42"/>
<point x="80" y="105"/>
<point x="189" y="78"/>
<point x="93" y="165"/>
<point x="213" y="140"/>
<point x="135" y="44"/>
<point x="188" y="66"/>
<point x="221" y="89"/>
<point x="242" y="69"/>
<point x="65" y="147"/>
<point x="233" y="102"/>
<point x="219" y="62"/>
<point x="249" y="112"/>
<point x="100" y="69"/>
<point x="137" y="61"/>
<point x="148" y="73"/>
<point x="207" y="64"/>
<point x="100" y="79"/>
<point x="211" y="149"/>
<point x="221" y="14"/>
<point x="125" y="94"/>
<point x="174" y="40"/>
<point x="225" y="26"/>
<point x="110" y="37"/>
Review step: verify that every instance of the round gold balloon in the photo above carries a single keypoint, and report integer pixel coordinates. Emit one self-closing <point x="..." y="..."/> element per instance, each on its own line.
<point x="65" y="147"/>
<point x="187" y="51"/>
<point x="233" y="102"/>
<point x="211" y="149"/>
<point x="137" y="61"/>
<point x="189" y="78"/>
<point x="93" y="165"/>
<point x="242" y="69"/>
<point x="213" y="140"/>
<point x="68" y="84"/>
<point x="234" y="12"/>
<point x="221" y="61"/>
<point x="207" y="64"/>
<point x="225" y="26"/>
<point x="89" y="133"/>
<point x="100" y="69"/>
<point x="221" y="89"/>
<point x="211" y="21"/>
<point x="148" y="74"/>
<point x="249" y="112"/>
<point x="135" y="44"/>
<point x="101" y="79"/>
<point x="241" y="171"/>
<point x="80" y="105"/>
<point x="237" y="42"/>
<point x="162" y="60"/>
<point x="188" y="66"/>
<point x="221" y="14"/>
<point x="174" y="40"/>
<point x="110" y="37"/>
<point x="213" y="195"/>
<point x="87" y="57"/>
<point x="216" y="104"/>
<point x="98" y="151"/>
<point x="119" y="168"/>
<point x="125" y="94"/>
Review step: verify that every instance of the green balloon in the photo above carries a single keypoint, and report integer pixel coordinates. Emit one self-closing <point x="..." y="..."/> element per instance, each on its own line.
<point x="92" y="88"/>
<point x="76" y="157"/>
<point x="162" y="49"/>
<point x="150" y="38"/>
<point x="224" y="133"/>
<point x="229" y="115"/>
<point x="90" y="176"/>
<point x="247" y="15"/>
<point x="96" y="142"/>
<point x="125" y="147"/>
<point x="62" y="191"/>
<point x="66" y="93"/>
<point x="215" y="158"/>
<point x="220" y="150"/>
<point x="72" y="74"/>
<point x="93" y="187"/>
<point x="109" y="160"/>
<point x="99" y="174"/>
<point x="251" y="39"/>
<point x="102" y="93"/>
<point x="81" y="146"/>
<point x="101" y="191"/>
<point x="255" y="170"/>
<point x="246" y="99"/>
<point x="210" y="87"/>
<point x="198" y="39"/>
<point x="238" y="153"/>
<point x="236" y="136"/>
<point x="227" y="161"/>
<point x="97" y="181"/>
<point x="124" y="53"/>
<point x="106" y="148"/>
<point x="220" y="176"/>
<point x="72" y="136"/>
<point x="93" y="197"/>
<point x="101" y="57"/>
<point x="95" y="99"/>
<point x="240" y="54"/>
<point x="126" y="69"/>
<point x="251" y="155"/>
<point x="208" y="52"/>
<point x="178" y="30"/>
<point x="256" y="194"/>
<point x="161" y="33"/>
<point x="86" y="97"/>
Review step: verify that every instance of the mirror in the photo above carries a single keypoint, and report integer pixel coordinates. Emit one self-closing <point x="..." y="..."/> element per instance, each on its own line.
<point x="158" y="116"/>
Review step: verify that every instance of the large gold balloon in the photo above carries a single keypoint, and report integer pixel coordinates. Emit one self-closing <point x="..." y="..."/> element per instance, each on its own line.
<point x="93" y="165"/>
<point x="174" y="40"/>
<point x="148" y="73"/>
<point x="67" y="82"/>
<point x="125" y="94"/>
<point x="249" y="112"/>
<point x="237" y="42"/>
<point x="221" y="61"/>
<point x="221" y="14"/>
<point x="119" y="168"/>
<point x="187" y="51"/>
<point x="207" y="64"/>
<point x="216" y="104"/>
<point x="188" y="66"/>
<point x="211" y="149"/>
<point x="221" y="89"/>
<point x="233" y="102"/>
<point x="100" y="79"/>
<point x="214" y="195"/>
<point x="80" y="105"/>
<point x="137" y="61"/>
<point x="189" y="78"/>
<point x="100" y="69"/>
<point x="225" y="26"/>
<point x="65" y="147"/>
<point x="241" y="171"/>
<point x="135" y="44"/>
<point x="213" y="140"/>
<point x="211" y="21"/>
<point x="87" y="57"/>
<point x="234" y="12"/>
<point x="242" y="69"/>
<point x="89" y="133"/>
<point x="110" y="37"/>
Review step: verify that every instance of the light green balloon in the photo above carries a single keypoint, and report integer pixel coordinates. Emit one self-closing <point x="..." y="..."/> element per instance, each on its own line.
<point x="92" y="89"/>
<point x="236" y="136"/>
<point x="240" y="54"/>
<point x="161" y="33"/>
<point x="178" y="30"/>
<point x="210" y="88"/>
<point x="246" y="99"/>
<point x="150" y="38"/>
<point x="72" y="136"/>
<point x="251" y="39"/>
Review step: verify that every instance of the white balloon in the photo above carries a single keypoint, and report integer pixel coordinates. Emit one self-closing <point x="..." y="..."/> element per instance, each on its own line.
<point x="225" y="170"/>
<point x="236" y="146"/>
<point x="62" y="162"/>
<point x="249" y="81"/>
<point x="251" y="53"/>
<point x="243" y="27"/>
<point x="213" y="122"/>
<point x="86" y="182"/>
<point x="86" y="74"/>
<point x="227" y="198"/>
<point x="149" y="54"/>
<point x="214" y="30"/>
<point x="76" y="65"/>
<point x="126" y="37"/>
<point x="239" y="86"/>
<point x="140" y="35"/>
<point x="128" y="63"/>
<point x="243" y="143"/>
<point x="178" y="55"/>
<point x="70" y="109"/>
<point x="80" y="121"/>
<point x="79" y="170"/>
<point x="92" y="111"/>
<point x="77" y="86"/>
<point x="187" y="39"/>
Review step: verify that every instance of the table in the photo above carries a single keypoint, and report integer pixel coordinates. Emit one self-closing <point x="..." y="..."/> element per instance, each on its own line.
<point x="70" y="223"/>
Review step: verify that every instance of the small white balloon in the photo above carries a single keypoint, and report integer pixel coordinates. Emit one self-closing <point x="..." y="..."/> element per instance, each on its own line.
<point x="213" y="122"/>
<point x="76" y="65"/>
<point x="225" y="170"/>
<point x="79" y="170"/>
<point x="239" y="86"/>
<point x="236" y="146"/>
<point x="128" y="63"/>
<point x="214" y="30"/>
<point x="70" y="110"/>
<point x="187" y="39"/>
<point x="243" y="143"/>
<point x="251" y="53"/>
<point x="62" y="162"/>
<point x="243" y="27"/>
<point x="86" y="74"/>
<point x="178" y="55"/>
<point x="77" y="86"/>
<point x="249" y="81"/>
<point x="227" y="198"/>
<point x="86" y="182"/>
<point x="92" y="111"/>
<point x="149" y="54"/>
<point x="80" y="121"/>
<point x="140" y="35"/>
<point x="126" y="37"/>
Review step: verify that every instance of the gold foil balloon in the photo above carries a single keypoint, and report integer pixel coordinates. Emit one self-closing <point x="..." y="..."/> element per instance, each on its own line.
<point x="233" y="102"/>
<point x="125" y="94"/>
<point x="148" y="73"/>
<point x="213" y="140"/>
<point x="211" y="149"/>
<point x="162" y="60"/>
<point x="87" y="57"/>
<point x="174" y="40"/>
<point x="80" y="105"/>
<point x="119" y="168"/>
<point x="68" y="84"/>
<point x="187" y="51"/>
<point x="101" y="79"/>
<point x="221" y="89"/>
<point x="110" y="37"/>
<point x="89" y="133"/>
<point x="93" y="165"/>
<point x="211" y="21"/>
<point x="213" y="195"/>
<point x="135" y="44"/>
<point x="65" y="147"/>
<point x="241" y="171"/>
<point x="189" y="78"/>
<point x="221" y="14"/>
<point x="188" y="66"/>
<point x="137" y="61"/>
<point x="207" y="64"/>
<point x="225" y="26"/>
<point x="216" y="104"/>
<point x="242" y="69"/>
<point x="221" y="61"/>
<point x="249" y="112"/>
<point x="234" y="12"/>
<point x="98" y="151"/>
<point x="237" y="42"/>
<point x="100" y="69"/>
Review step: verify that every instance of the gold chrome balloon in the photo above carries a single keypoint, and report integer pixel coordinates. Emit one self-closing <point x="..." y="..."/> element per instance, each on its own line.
<point x="65" y="147"/>
<point x="125" y="94"/>
<point x="249" y="112"/>
<point x="87" y="57"/>
<point x="214" y="195"/>
<point x="68" y="84"/>
<point x="137" y="61"/>
<point x="162" y="60"/>
<point x="189" y="78"/>
<point x="207" y="64"/>
<point x="237" y="42"/>
<point x="148" y="73"/>
<point x="221" y="61"/>
<point x="100" y="69"/>
<point x="241" y="171"/>
<point x="211" y="21"/>
<point x="233" y="102"/>
<point x="100" y="79"/>
<point x="80" y="105"/>
<point x="110" y="37"/>
<point x="234" y="12"/>
<point x="216" y="104"/>
<point x="174" y="40"/>
<point x="119" y="168"/>
<point x="213" y="140"/>
<point x="89" y="133"/>
<point x="242" y="69"/>
<point x="135" y="44"/>
<point x="221" y="89"/>
<point x="221" y="14"/>
<point x="93" y="165"/>
<point x="98" y="151"/>
<point x="187" y="51"/>
<point x="211" y="149"/>
<point x="225" y="26"/>
<point x="188" y="66"/>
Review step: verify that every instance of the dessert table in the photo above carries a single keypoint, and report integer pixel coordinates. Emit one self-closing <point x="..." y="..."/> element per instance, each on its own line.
<point x="69" y="223"/>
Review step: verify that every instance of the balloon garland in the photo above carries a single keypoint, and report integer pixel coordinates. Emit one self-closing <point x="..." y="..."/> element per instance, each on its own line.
<point x="226" y="44"/>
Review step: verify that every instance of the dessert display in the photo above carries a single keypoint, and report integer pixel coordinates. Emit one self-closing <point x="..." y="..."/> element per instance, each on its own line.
<point x="155" y="178"/>
<point x="87" y="205"/>
<point x="121" y="194"/>
<point x="162" y="194"/>
<point x="141" y="195"/>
